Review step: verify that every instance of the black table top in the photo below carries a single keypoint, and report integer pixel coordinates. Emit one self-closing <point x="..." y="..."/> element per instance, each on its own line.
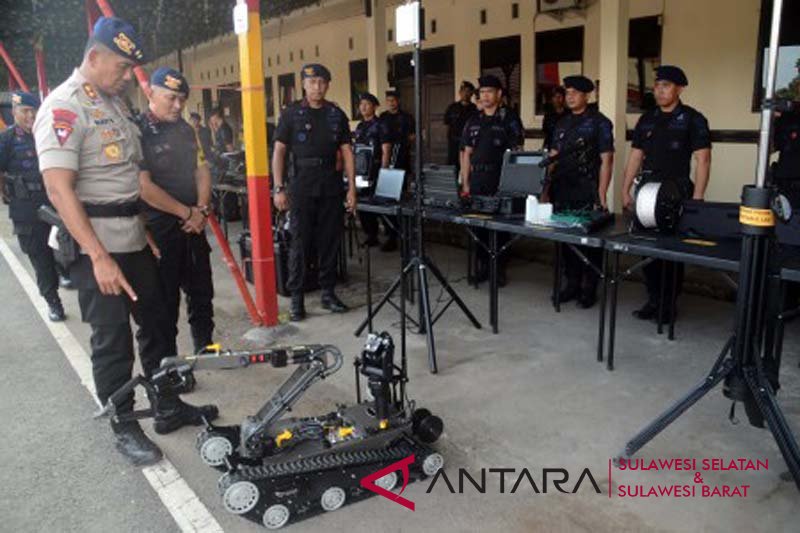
<point x="718" y="255"/>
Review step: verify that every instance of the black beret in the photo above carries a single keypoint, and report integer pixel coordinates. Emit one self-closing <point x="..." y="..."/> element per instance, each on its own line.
<point x="392" y="93"/>
<point x="369" y="97"/>
<point x="467" y="85"/>
<point x="315" y="70"/>
<point x="120" y="37"/>
<point x="25" y="99"/>
<point x="673" y="74"/>
<point x="579" y="83"/>
<point x="490" y="80"/>
<point x="171" y="79"/>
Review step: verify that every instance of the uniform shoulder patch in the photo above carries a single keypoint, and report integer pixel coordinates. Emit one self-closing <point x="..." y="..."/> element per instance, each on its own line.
<point x="63" y="123"/>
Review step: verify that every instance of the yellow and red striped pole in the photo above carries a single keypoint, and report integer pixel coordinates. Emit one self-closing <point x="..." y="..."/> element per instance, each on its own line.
<point x="251" y="67"/>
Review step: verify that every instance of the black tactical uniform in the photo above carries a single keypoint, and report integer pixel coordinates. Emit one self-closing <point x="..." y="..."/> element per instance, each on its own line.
<point x="490" y="136"/>
<point x="400" y="126"/>
<point x="171" y="155"/>
<point x="455" y="118"/>
<point x="580" y="139"/>
<point x="316" y="193"/>
<point x="25" y="192"/>
<point x="373" y="133"/>
<point x="668" y="141"/>
<point x="786" y="172"/>
<point x="549" y="123"/>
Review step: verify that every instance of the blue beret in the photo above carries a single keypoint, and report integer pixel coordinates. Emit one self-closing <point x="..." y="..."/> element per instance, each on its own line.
<point x="119" y="36"/>
<point x="673" y="74"/>
<point x="171" y="79"/>
<point x="315" y="70"/>
<point x="490" y="80"/>
<point x="579" y="83"/>
<point x="26" y="99"/>
<point x="369" y="97"/>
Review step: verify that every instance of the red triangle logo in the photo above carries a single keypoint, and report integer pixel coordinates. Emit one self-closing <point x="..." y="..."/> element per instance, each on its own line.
<point x="368" y="482"/>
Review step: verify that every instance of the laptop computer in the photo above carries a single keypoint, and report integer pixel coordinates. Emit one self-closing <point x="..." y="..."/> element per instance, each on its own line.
<point x="389" y="188"/>
<point x="521" y="174"/>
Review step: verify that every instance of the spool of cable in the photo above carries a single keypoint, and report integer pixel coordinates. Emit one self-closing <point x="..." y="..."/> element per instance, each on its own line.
<point x="658" y="206"/>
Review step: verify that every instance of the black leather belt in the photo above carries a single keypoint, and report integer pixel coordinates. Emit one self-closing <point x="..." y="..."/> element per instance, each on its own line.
<point x="314" y="162"/>
<point x="128" y="209"/>
<point x="485" y="167"/>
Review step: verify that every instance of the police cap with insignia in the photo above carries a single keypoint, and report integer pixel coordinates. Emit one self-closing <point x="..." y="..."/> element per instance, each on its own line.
<point x="21" y="98"/>
<point x="369" y="97"/>
<point x="673" y="74"/>
<point x="315" y="70"/>
<point x="490" y="81"/>
<point x="579" y="83"/>
<point x="171" y="79"/>
<point x="120" y="37"/>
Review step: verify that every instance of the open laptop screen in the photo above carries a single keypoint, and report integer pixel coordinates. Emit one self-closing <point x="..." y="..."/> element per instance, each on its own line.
<point x="390" y="184"/>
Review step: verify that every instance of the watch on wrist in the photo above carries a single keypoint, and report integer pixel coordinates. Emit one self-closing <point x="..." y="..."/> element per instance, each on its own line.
<point x="280" y="188"/>
<point x="204" y="210"/>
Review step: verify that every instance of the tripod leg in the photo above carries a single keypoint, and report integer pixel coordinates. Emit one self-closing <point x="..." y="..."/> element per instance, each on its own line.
<point x="387" y="295"/>
<point x="765" y="399"/>
<point x="721" y="368"/>
<point x="452" y="293"/>
<point x="425" y="309"/>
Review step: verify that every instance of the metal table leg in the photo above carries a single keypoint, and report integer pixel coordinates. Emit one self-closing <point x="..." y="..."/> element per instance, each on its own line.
<point x="612" y="319"/>
<point x="603" y="303"/>
<point x="493" y="290"/>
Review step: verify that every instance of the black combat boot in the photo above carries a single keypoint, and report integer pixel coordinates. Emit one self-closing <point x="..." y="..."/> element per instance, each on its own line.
<point x="137" y="447"/>
<point x="297" y="311"/>
<point x="55" y="310"/>
<point x="173" y="414"/>
<point x="332" y="303"/>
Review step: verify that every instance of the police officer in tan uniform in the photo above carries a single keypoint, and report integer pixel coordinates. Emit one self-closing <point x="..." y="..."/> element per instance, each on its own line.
<point x="89" y="156"/>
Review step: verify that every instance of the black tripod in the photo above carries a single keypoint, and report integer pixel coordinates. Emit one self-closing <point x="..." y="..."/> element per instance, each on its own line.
<point x="749" y="373"/>
<point x="420" y="262"/>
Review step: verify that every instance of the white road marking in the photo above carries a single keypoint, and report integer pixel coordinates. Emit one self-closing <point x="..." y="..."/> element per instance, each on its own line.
<point x="180" y="500"/>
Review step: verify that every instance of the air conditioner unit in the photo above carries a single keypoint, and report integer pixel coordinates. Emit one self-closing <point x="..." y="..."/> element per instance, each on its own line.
<point x="546" y="6"/>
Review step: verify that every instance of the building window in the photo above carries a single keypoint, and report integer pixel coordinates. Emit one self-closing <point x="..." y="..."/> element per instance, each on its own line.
<point x="515" y="10"/>
<point x="559" y="53"/>
<point x="359" y="83"/>
<point x="501" y="57"/>
<point x="202" y="76"/>
<point x="208" y="75"/>
<point x="483" y="16"/>
<point x="787" y="80"/>
<point x="269" y="62"/>
<point x="350" y="43"/>
<point x="216" y="74"/>
<point x="224" y="71"/>
<point x="302" y="55"/>
<point x="390" y="35"/>
<point x="269" y="97"/>
<point x="433" y="26"/>
<point x="278" y="59"/>
<point x="644" y="55"/>
<point x="316" y="50"/>
<point x="286" y="89"/>
<point x="291" y="57"/>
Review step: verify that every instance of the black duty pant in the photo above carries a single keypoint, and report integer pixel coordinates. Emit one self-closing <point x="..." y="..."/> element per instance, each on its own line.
<point x="109" y="316"/>
<point x="32" y="239"/>
<point x="454" y="155"/>
<point x="185" y="265"/>
<point x="315" y="223"/>
<point x="581" y="276"/>
<point x="652" y="278"/>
